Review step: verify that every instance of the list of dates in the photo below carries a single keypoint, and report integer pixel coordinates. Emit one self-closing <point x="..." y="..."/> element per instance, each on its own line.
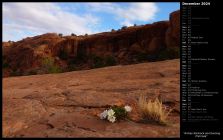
<point x="197" y="90"/>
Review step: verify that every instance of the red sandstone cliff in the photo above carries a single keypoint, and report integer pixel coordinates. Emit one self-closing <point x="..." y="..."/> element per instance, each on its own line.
<point x="125" y="46"/>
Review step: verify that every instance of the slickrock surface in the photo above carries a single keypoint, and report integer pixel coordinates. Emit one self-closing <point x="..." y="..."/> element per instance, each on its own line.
<point x="68" y="104"/>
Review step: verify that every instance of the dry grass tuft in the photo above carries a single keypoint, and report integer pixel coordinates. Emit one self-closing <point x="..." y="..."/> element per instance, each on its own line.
<point x="153" y="110"/>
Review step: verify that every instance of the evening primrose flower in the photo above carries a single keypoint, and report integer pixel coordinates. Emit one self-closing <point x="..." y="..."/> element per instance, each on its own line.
<point x="104" y="115"/>
<point x="111" y="112"/>
<point x="115" y="113"/>
<point x="128" y="108"/>
<point x="112" y="118"/>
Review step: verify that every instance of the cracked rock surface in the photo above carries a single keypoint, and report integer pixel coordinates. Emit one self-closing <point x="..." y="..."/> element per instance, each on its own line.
<point x="68" y="104"/>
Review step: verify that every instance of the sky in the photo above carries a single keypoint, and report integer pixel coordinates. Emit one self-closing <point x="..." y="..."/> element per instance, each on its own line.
<point x="21" y="20"/>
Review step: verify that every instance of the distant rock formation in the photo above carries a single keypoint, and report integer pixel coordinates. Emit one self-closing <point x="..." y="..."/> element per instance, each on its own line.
<point x="125" y="46"/>
<point x="173" y="32"/>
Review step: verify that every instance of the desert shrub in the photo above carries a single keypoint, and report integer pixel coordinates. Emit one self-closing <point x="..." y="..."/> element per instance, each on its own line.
<point x="98" y="62"/>
<point x="72" y="67"/>
<point x="33" y="72"/>
<point x="141" y="56"/>
<point x="49" y="66"/>
<point x="86" y="35"/>
<point x="47" y="61"/>
<point x="73" y="61"/>
<point x="120" y="112"/>
<point x="4" y="63"/>
<point x="152" y="57"/>
<point x="124" y="27"/>
<point x="16" y="73"/>
<point x="153" y="110"/>
<point x="81" y="57"/>
<point x="110" y="61"/>
<point x="81" y="53"/>
<point x="63" y="55"/>
<point x="135" y="25"/>
<point x="60" y="34"/>
<point x="54" y="69"/>
<point x="169" y="53"/>
<point x="73" y="34"/>
<point x="112" y="30"/>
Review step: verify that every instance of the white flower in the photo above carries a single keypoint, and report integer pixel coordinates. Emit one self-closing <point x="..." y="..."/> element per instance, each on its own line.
<point x="111" y="112"/>
<point x="111" y="118"/>
<point x="104" y="114"/>
<point x="128" y="108"/>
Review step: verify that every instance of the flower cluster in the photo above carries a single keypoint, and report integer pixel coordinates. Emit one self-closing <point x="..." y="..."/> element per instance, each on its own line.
<point x="115" y="113"/>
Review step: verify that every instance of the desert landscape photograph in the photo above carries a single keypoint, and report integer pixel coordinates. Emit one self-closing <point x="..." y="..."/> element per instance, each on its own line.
<point x="90" y="69"/>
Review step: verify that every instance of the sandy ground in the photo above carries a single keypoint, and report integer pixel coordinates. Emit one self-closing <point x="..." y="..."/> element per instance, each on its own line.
<point x="68" y="104"/>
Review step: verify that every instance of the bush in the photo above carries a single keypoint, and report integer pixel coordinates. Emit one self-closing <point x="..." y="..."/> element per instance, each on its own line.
<point x="98" y="62"/>
<point x="153" y="110"/>
<point x="169" y="53"/>
<point x="113" y="30"/>
<point x="63" y="55"/>
<point x="4" y="63"/>
<point x="49" y="66"/>
<point x="72" y="67"/>
<point x="120" y="112"/>
<point x="142" y="57"/>
<point x="33" y="72"/>
<point x="16" y="73"/>
<point x="73" y="34"/>
<point x="60" y="34"/>
<point x="135" y="25"/>
<point x="47" y="61"/>
<point x="110" y="61"/>
<point x="124" y="27"/>
<point x="54" y="69"/>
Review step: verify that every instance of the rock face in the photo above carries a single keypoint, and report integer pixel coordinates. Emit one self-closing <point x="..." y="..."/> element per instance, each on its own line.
<point x="68" y="104"/>
<point x="147" y="38"/>
<point x="173" y="32"/>
<point x="125" y="46"/>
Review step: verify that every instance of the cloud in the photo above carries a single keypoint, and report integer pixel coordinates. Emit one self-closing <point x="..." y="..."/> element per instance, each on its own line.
<point x="29" y="19"/>
<point x="128" y="14"/>
<point x="43" y="17"/>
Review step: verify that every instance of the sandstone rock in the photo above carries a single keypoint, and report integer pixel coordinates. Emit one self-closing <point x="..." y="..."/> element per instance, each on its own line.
<point x="135" y="48"/>
<point x="68" y="104"/>
<point x="173" y="32"/>
<point x="125" y="45"/>
<point x="156" y="45"/>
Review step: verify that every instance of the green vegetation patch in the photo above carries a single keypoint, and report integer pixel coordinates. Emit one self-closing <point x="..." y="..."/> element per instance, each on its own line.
<point x="4" y="63"/>
<point x="33" y="72"/>
<point x="63" y="55"/>
<point x="110" y="61"/>
<point x="169" y="53"/>
<point x="99" y="62"/>
<point x="120" y="112"/>
<point x="141" y="57"/>
<point x="49" y="65"/>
